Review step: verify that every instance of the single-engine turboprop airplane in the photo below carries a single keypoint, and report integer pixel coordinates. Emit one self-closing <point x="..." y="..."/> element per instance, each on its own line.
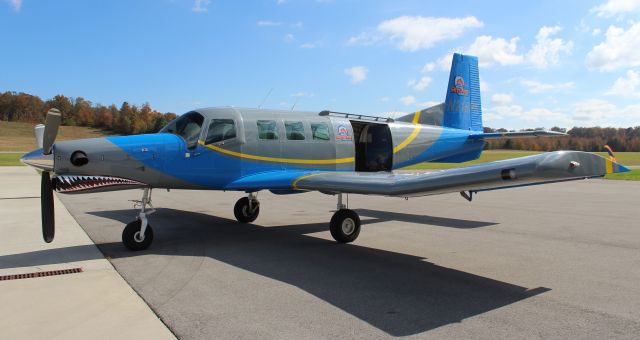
<point x="249" y="150"/>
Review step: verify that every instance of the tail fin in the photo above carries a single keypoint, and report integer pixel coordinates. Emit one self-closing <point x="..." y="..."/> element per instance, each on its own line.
<point x="462" y="108"/>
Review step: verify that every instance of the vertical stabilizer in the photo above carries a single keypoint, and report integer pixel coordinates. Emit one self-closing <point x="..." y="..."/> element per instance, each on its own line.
<point x="462" y="107"/>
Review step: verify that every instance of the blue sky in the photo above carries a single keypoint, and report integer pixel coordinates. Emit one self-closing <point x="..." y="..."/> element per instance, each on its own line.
<point x="543" y="63"/>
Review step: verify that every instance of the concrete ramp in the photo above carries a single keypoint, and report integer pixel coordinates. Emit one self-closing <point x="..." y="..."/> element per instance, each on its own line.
<point x="65" y="289"/>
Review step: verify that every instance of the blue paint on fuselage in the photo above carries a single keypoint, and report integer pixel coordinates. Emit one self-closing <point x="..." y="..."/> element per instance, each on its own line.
<point x="453" y="146"/>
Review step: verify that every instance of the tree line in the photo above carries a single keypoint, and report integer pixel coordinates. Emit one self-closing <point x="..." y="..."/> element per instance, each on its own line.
<point x="131" y="119"/>
<point x="126" y="119"/>
<point x="578" y="138"/>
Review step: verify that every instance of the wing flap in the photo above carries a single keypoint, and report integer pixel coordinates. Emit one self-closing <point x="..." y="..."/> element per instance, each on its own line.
<point x="530" y="170"/>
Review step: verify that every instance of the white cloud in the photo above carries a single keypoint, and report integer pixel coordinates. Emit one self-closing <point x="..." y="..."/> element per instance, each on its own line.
<point x="16" y="4"/>
<point x="308" y="45"/>
<point x="538" y="87"/>
<point x="302" y="94"/>
<point x="615" y="7"/>
<point x="412" y="33"/>
<point x="495" y="50"/>
<point x="620" y="49"/>
<point x="626" y="86"/>
<point x="408" y="100"/>
<point x="501" y="99"/>
<point x="200" y="6"/>
<point x="598" y="112"/>
<point x="428" y="67"/>
<point x="289" y="38"/>
<point x="364" y="39"/>
<point x="384" y="99"/>
<point x="529" y="117"/>
<point x="268" y="23"/>
<point x="357" y="73"/>
<point x="546" y="51"/>
<point x="490" y="50"/>
<point x="596" y="32"/>
<point x="420" y="84"/>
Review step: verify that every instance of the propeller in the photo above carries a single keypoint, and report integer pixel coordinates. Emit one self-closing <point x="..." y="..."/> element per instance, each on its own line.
<point x="48" y="137"/>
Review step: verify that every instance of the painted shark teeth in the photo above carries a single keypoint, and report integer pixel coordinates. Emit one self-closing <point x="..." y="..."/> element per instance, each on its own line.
<point x="71" y="183"/>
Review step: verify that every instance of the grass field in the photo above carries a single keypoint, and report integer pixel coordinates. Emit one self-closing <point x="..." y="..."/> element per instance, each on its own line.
<point x="19" y="136"/>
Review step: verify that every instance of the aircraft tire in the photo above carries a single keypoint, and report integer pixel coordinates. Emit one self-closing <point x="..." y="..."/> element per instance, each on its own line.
<point x="242" y="213"/>
<point x="130" y="232"/>
<point x="345" y="226"/>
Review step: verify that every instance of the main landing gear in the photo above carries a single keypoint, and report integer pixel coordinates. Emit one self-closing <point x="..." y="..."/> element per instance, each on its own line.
<point x="138" y="235"/>
<point x="247" y="209"/>
<point x="345" y="223"/>
<point x="344" y="226"/>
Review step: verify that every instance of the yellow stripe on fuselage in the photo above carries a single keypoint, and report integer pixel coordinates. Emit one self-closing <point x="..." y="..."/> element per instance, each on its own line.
<point x="412" y="136"/>
<point x="278" y="159"/>
<point x="609" y="165"/>
<point x="295" y="183"/>
<point x="407" y="141"/>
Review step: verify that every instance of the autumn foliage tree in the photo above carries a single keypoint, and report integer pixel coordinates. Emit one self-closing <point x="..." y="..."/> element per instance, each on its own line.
<point x="128" y="119"/>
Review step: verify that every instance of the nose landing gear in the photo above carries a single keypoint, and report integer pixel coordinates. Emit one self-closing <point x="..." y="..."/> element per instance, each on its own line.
<point x="138" y="235"/>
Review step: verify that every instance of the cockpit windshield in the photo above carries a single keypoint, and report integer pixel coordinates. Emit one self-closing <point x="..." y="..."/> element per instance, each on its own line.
<point x="187" y="126"/>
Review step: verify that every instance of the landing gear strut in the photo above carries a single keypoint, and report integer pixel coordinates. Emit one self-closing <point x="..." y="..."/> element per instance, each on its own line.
<point x="247" y="208"/>
<point x="138" y="235"/>
<point x="345" y="223"/>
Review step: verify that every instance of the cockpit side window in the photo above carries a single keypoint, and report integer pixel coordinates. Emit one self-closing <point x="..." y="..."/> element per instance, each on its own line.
<point x="219" y="130"/>
<point x="188" y="126"/>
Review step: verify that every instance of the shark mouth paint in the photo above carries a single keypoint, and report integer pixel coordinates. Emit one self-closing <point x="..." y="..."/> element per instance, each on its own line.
<point x="72" y="184"/>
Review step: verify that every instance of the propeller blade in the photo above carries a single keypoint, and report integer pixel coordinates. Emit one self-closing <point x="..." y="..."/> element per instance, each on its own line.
<point x="46" y="204"/>
<point x="51" y="124"/>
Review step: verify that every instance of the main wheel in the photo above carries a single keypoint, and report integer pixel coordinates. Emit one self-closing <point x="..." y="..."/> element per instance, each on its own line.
<point x="244" y="213"/>
<point x="131" y="236"/>
<point x="345" y="226"/>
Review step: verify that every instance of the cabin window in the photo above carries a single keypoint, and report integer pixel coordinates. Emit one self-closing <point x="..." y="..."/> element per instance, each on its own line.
<point x="220" y="129"/>
<point x="188" y="126"/>
<point x="320" y="131"/>
<point x="294" y="130"/>
<point x="267" y="129"/>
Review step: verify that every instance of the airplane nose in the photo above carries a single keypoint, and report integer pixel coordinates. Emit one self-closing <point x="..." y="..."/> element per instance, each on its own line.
<point x="37" y="160"/>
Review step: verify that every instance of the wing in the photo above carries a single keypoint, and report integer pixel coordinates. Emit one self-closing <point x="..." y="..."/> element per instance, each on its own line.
<point x="538" y="169"/>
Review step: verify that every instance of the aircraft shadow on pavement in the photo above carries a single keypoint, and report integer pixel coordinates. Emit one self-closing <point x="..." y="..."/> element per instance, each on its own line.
<point x="397" y="293"/>
<point x="423" y="219"/>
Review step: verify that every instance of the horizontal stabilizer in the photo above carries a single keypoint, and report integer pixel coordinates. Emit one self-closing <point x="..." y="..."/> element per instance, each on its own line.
<point x="519" y="134"/>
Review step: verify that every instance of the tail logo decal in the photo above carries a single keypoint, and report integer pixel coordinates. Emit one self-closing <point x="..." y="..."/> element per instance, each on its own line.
<point x="459" y="86"/>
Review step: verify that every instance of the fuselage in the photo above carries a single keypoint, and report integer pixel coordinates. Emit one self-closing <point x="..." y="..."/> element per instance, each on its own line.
<point x="224" y="148"/>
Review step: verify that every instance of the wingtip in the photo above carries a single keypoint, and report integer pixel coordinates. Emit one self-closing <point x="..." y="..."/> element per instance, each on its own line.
<point x="620" y="168"/>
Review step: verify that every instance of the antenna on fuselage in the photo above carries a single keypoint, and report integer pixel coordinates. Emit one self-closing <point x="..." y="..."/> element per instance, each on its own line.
<point x="294" y="104"/>
<point x="265" y="98"/>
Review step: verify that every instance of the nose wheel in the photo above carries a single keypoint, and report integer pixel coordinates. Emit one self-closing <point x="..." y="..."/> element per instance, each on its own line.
<point x="247" y="209"/>
<point x="138" y="235"/>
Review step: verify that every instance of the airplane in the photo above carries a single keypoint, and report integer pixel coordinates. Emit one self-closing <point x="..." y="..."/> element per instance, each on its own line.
<point x="287" y="152"/>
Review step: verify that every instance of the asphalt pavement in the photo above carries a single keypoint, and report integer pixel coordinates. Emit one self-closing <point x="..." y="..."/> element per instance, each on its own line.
<point x="553" y="261"/>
